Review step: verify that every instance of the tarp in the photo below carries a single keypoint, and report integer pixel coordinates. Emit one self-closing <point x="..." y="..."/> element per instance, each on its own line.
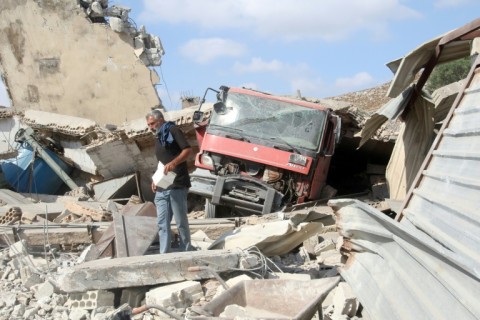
<point x="27" y="173"/>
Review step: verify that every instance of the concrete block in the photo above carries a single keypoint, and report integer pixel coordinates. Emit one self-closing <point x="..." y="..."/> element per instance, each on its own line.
<point x="330" y="258"/>
<point x="29" y="279"/>
<point x="18" y="311"/>
<point x="91" y="299"/>
<point x="30" y="313"/>
<point x="19" y="248"/>
<point x="310" y="244"/>
<point x="178" y="295"/>
<point x="79" y="314"/>
<point x="323" y="246"/>
<point x="8" y="299"/>
<point x="44" y="290"/>
<point x="133" y="296"/>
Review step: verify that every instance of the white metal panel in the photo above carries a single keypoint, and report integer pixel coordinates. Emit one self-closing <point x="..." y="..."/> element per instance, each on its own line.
<point x="445" y="202"/>
<point x="399" y="272"/>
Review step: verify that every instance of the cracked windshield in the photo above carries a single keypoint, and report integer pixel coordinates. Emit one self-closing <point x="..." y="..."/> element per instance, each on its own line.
<point x="282" y="122"/>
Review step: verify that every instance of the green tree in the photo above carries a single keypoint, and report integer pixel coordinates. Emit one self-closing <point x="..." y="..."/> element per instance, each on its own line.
<point x="447" y="73"/>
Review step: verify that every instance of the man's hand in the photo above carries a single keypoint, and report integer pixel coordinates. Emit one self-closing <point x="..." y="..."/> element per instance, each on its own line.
<point x="169" y="167"/>
<point x="154" y="187"/>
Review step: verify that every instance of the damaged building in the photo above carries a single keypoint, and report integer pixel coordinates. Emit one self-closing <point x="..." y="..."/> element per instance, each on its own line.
<point x="398" y="241"/>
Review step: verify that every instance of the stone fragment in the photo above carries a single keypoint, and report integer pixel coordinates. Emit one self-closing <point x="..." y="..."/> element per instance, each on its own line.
<point x="178" y="295"/>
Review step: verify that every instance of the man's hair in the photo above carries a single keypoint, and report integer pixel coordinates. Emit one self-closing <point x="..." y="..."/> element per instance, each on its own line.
<point x="156" y="114"/>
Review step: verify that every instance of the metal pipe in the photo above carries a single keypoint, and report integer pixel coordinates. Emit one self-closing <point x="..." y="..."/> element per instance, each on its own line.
<point x="28" y="136"/>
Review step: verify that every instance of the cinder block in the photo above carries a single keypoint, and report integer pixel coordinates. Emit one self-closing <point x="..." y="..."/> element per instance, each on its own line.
<point x="91" y="299"/>
<point x="133" y="296"/>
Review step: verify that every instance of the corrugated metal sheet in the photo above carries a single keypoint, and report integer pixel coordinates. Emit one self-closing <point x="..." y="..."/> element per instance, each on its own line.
<point x="445" y="202"/>
<point x="426" y="264"/>
<point x="398" y="272"/>
<point x="390" y="111"/>
<point x="453" y="45"/>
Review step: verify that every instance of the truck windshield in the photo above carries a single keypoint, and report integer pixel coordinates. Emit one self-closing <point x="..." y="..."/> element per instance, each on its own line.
<point x="272" y="120"/>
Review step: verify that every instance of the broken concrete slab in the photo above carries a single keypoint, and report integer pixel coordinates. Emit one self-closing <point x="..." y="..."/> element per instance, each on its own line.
<point x="31" y="210"/>
<point x="145" y="270"/>
<point x="273" y="238"/>
<point x="64" y="235"/>
<point x="9" y="197"/>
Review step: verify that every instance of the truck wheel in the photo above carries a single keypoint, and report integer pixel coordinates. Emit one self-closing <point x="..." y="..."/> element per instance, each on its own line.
<point x="210" y="209"/>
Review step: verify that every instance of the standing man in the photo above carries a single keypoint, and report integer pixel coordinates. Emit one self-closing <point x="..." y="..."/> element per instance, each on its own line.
<point x="172" y="150"/>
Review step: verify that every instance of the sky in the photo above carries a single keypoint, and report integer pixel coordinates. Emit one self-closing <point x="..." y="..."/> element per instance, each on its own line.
<point x="319" y="48"/>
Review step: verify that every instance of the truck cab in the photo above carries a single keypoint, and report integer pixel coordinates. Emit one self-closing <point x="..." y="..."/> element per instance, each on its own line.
<point x="259" y="152"/>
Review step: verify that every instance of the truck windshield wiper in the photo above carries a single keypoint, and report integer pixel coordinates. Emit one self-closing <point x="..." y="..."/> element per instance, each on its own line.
<point x="236" y="137"/>
<point x="234" y="133"/>
<point x="286" y="147"/>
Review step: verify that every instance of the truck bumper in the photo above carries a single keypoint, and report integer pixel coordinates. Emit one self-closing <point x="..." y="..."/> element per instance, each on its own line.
<point x="236" y="192"/>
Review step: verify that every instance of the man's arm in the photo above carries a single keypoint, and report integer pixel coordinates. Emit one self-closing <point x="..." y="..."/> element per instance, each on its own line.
<point x="182" y="156"/>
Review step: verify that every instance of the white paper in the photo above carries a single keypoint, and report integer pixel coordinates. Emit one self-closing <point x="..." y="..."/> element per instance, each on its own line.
<point x="161" y="180"/>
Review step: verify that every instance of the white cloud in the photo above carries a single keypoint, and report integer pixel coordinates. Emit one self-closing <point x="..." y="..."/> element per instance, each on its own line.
<point x="258" y="65"/>
<point x="206" y="50"/>
<point x="359" y="80"/>
<point x="284" y="19"/>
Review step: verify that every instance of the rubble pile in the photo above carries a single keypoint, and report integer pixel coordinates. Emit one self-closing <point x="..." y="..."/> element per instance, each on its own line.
<point x="43" y="278"/>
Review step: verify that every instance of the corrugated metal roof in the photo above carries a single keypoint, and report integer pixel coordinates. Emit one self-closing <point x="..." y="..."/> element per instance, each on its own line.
<point x="398" y="272"/>
<point x="445" y="202"/>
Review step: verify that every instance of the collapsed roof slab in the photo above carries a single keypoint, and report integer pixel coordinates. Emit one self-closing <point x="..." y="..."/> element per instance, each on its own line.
<point x="53" y="58"/>
<point x="146" y="270"/>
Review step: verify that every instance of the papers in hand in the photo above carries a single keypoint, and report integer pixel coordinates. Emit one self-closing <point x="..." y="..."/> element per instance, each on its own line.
<point x="161" y="180"/>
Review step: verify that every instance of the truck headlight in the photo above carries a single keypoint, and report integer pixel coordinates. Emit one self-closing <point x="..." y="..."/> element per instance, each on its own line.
<point x="207" y="160"/>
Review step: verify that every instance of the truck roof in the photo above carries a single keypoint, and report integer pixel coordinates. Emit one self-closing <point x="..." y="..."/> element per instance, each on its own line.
<point x="299" y="102"/>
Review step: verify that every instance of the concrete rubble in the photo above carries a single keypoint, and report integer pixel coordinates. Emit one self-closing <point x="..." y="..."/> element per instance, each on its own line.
<point x="61" y="283"/>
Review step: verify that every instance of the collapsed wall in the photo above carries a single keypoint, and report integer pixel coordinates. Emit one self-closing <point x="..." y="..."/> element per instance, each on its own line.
<point x="65" y="57"/>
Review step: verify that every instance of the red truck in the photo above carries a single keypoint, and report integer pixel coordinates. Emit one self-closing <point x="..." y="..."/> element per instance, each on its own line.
<point x="260" y="152"/>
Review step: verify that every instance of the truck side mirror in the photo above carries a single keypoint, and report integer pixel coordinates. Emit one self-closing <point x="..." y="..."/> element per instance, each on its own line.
<point x="220" y="108"/>
<point x="197" y="116"/>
